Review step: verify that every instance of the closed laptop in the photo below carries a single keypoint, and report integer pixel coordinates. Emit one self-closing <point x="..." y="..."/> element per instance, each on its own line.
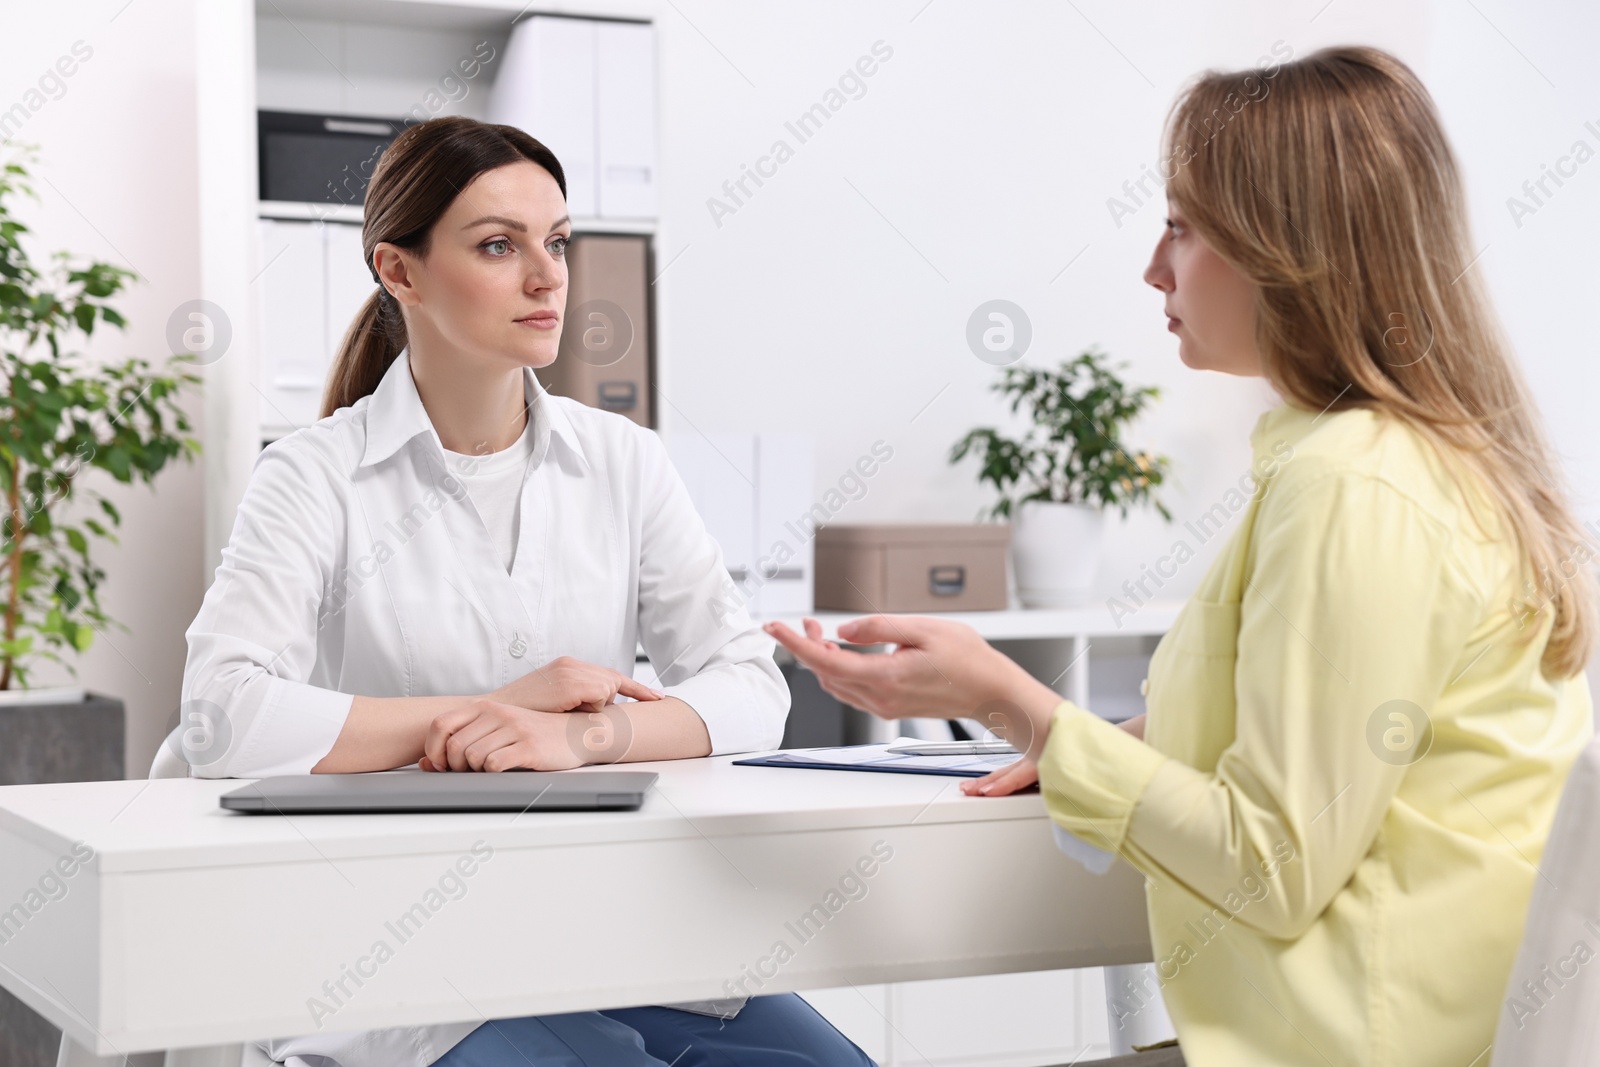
<point x="449" y="791"/>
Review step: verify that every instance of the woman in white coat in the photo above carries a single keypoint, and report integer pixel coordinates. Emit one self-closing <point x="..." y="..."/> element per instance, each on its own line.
<point x="453" y="568"/>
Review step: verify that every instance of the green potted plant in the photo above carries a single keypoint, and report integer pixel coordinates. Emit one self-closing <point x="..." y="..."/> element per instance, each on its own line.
<point x="1058" y="479"/>
<point x="61" y="416"/>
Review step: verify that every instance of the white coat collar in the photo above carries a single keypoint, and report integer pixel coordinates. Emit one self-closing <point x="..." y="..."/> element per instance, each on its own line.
<point x="395" y="416"/>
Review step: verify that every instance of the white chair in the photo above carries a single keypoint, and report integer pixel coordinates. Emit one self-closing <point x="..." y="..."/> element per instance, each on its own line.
<point x="1551" y="1014"/>
<point x="169" y="762"/>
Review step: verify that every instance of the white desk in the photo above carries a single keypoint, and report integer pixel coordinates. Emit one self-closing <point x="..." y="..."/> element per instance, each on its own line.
<point x="193" y="927"/>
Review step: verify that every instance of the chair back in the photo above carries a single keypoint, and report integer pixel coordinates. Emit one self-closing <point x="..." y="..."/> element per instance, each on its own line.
<point x="1551" y="1014"/>
<point x="169" y="762"/>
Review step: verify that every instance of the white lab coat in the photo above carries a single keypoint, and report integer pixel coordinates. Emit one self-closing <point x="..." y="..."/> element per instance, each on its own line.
<point x="358" y="564"/>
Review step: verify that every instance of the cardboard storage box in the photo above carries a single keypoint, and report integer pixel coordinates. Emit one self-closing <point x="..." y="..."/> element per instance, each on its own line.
<point x="912" y="568"/>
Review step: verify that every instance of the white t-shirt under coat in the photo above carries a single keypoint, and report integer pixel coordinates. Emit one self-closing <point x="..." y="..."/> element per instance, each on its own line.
<point x="494" y="484"/>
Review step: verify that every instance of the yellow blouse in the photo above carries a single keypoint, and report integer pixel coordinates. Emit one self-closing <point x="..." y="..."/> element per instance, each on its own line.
<point x="1350" y="766"/>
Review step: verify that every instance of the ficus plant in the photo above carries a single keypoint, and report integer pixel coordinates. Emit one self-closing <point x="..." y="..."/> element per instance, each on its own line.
<point x="1072" y="451"/>
<point x="60" y="416"/>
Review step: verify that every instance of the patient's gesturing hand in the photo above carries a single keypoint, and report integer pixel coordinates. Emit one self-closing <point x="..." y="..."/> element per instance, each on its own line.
<point x="568" y="684"/>
<point x="939" y="669"/>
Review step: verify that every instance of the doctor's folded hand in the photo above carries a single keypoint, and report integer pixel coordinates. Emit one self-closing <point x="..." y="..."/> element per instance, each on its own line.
<point x="938" y="669"/>
<point x="526" y="723"/>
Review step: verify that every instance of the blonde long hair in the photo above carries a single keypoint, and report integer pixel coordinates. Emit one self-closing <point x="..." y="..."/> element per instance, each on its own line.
<point x="1328" y="183"/>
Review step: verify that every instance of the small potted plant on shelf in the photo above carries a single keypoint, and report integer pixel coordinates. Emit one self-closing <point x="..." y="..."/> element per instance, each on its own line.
<point x="61" y="416"/>
<point x="1058" y="479"/>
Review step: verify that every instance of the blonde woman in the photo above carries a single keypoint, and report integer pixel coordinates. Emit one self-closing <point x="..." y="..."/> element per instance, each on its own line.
<point x="1358" y="728"/>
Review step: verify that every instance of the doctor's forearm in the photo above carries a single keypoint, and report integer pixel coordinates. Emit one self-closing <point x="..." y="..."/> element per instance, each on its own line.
<point x="644" y="730"/>
<point x="382" y="733"/>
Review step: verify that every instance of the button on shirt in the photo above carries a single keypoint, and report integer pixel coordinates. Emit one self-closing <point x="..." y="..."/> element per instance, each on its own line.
<point x="359" y="564"/>
<point x="1353" y="762"/>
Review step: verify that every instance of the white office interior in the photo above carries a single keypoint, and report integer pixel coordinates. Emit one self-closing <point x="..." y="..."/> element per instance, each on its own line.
<point x="805" y="306"/>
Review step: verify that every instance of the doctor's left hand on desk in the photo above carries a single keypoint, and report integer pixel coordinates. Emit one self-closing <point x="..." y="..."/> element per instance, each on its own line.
<point x="568" y="684"/>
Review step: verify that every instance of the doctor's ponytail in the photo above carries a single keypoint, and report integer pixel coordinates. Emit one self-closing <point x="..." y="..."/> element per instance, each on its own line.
<point x="414" y="183"/>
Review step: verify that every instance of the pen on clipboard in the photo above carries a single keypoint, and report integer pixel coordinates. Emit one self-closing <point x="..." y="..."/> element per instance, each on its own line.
<point x="954" y="748"/>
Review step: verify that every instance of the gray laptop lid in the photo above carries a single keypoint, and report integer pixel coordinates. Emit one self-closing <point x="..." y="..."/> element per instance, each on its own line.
<point x="449" y="791"/>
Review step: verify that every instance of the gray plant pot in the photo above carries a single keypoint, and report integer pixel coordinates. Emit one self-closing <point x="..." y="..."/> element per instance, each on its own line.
<point x="62" y="742"/>
<point x="53" y="743"/>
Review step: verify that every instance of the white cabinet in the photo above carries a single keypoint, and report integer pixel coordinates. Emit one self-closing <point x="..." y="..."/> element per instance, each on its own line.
<point x="997" y="1020"/>
<point x="625" y="88"/>
<point x="312" y="283"/>
<point x="586" y="89"/>
<point x="754" y="492"/>
<point x="349" y="282"/>
<point x="293" y="327"/>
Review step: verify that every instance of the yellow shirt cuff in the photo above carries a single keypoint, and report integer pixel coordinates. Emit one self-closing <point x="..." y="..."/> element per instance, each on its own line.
<point x="1092" y="773"/>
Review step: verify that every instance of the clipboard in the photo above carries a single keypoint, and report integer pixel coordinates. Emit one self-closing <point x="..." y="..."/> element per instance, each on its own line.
<point x="877" y="758"/>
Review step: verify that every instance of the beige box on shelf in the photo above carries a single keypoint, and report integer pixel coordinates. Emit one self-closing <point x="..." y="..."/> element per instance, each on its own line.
<point x="605" y="359"/>
<point x="912" y="568"/>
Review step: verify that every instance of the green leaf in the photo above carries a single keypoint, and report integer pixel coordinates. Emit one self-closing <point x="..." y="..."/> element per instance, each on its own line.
<point x="61" y="412"/>
<point x="17" y="647"/>
<point x="1072" y="450"/>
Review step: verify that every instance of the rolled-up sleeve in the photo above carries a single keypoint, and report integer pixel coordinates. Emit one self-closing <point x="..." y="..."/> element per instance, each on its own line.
<point x="1352" y="609"/>
<point x="692" y="622"/>
<point x="253" y="645"/>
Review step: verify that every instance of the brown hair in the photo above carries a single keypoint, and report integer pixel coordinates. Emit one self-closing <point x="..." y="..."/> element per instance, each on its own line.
<point x="1341" y="200"/>
<point x="414" y="182"/>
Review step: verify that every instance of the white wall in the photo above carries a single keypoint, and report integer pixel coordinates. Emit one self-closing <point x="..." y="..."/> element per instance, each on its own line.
<point x="990" y="143"/>
<point x="116" y="181"/>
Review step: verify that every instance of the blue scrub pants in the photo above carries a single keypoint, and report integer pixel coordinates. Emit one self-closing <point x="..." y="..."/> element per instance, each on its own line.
<point x="774" y="1031"/>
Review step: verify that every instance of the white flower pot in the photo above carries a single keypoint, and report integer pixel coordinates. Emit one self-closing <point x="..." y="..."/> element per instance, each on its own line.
<point x="1055" y="550"/>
